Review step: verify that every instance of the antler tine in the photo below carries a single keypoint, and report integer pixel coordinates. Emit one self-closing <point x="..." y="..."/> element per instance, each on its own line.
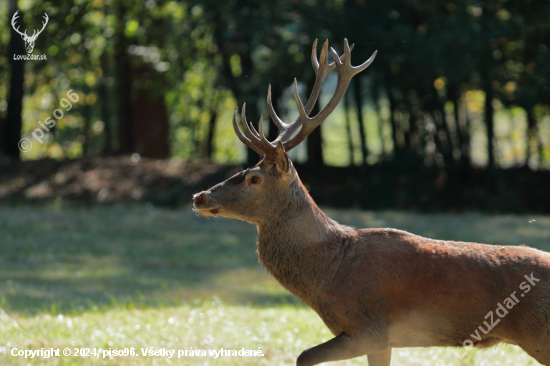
<point x="345" y="73"/>
<point x="322" y="68"/>
<point x="342" y="58"/>
<point x="365" y="64"/>
<point x="314" y="60"/>
<point x="324" y="53"/>
<point x="253" y="137"/>
<point x="257" y="139"/>
<point x="268" y="148"/>
<point x="35" y="34"/>
<point x="301" y="110"/>
<point x="260" y="128"/>
<point x="13" y="19"/>
<point x="46" y="18"/>
<point x="253" y="130"/>
<point x="338" y="63"/>
<point x="242" y="137"/>
<point x="278" y="122"/>
<point x="347" y="56"/>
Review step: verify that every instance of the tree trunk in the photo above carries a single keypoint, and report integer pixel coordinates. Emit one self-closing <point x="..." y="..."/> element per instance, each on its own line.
<point x="210" y="135"/>
<point x="488" y="116"/>
<point x="150" y="126"/>
<point x="124" y="74"/>
<point x="348" y="131"/>
<point x="407" y="130"/>
<point x="447" y="143"/>
<point x="358" y="95"/>
<point x="462" y="132"/>
<point x="531" y="134"/>
<point x="540" y="144"/>
<point x="456" y="116"/>
<point x="87" y="114"/>
<point x="243" y="89"/>
<point x="393" y="122"/>
<point x="467" y="135"/>
<point x="103" y="96"/>
<point x="439" y="143"/>
<point x="376" y="100"/>
<point x="13" y="123"/>
<point x="315" y="138"/>
<point x="487" y="67"/>
<point x="252" y="112"/>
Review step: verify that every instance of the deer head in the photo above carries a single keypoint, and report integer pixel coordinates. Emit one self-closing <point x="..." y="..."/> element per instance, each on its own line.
<point x="29" y="40"/>
<point x="258" y="193"/>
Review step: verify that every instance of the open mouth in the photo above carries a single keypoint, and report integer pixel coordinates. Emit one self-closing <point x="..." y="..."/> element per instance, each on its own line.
<point x="209" y="211"/>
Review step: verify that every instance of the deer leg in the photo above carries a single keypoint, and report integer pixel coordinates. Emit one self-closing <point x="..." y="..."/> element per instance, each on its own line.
<point x="342" y="347"/>
<point x="380" y="358"/>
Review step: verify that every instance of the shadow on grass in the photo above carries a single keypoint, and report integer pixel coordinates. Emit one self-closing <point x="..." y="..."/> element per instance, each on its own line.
<point x="76" y="260"/>
<point x="71" y="261"/>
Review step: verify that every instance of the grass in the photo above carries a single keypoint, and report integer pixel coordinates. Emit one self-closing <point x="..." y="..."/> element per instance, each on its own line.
<point x="120" y="278"/>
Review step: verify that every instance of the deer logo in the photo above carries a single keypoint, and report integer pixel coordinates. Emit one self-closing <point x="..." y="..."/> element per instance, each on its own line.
<point x="29" y="40"/>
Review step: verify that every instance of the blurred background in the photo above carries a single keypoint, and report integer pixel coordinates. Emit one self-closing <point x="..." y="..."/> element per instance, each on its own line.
<point x="452" y="115"/>
<point x="127" y="113"/>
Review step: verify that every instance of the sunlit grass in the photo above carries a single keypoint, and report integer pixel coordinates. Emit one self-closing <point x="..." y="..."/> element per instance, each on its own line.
<point x="122" y="278"/>
<point x="280" y="333"/>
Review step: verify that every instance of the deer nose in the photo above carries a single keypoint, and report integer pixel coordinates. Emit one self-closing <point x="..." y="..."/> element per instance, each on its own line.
<point x="199" y="200"/>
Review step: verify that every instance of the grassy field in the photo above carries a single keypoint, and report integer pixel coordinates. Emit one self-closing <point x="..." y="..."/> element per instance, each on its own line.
<point x="121" y="278"/>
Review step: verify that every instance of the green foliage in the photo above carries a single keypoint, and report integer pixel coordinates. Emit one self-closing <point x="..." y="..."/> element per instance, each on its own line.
<point x="421" y="95"/>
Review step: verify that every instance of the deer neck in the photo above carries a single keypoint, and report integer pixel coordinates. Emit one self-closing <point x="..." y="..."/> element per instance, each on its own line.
<point x="298" y="242"/>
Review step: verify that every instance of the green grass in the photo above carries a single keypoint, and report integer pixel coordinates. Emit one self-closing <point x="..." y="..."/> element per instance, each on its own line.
<point x="116" y="277"/>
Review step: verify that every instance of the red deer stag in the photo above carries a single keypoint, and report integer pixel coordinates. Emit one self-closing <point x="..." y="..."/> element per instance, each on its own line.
<point x="377" y="289"/>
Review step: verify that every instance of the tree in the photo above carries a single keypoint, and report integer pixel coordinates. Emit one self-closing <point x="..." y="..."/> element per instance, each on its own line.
<point x="10" y="128"/>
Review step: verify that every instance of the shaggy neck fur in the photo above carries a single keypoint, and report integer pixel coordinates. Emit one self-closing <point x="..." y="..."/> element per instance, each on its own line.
<point x="299" y="244"/>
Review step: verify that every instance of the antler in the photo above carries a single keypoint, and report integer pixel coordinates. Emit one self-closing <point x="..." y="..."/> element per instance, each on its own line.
<point x="15" y="16"/>
<point x="35" y="34"/>
<point x="345" y="73"/>
<point x="257" y="141"/>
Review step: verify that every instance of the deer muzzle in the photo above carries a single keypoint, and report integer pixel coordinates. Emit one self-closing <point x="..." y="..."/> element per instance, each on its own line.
<point x="205" y="205"/>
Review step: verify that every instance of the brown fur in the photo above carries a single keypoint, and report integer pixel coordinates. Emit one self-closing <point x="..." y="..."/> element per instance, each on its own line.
<point x="376" y="289"/>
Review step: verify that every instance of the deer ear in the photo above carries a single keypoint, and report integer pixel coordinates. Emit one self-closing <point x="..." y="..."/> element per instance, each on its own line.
<point x="283" y="163"/>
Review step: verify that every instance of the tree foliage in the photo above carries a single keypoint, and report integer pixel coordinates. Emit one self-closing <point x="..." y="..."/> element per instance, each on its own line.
<point x="454" y="84"/>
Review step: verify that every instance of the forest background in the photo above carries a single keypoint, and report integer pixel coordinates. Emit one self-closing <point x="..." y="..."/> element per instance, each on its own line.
<point x="452" y="115"/>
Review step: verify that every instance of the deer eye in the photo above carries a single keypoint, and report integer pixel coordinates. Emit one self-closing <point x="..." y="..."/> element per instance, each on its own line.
<point x="255" y="180"/>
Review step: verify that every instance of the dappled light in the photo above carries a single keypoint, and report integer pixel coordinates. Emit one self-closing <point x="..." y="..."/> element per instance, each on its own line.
<point x="120" y="276"/>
